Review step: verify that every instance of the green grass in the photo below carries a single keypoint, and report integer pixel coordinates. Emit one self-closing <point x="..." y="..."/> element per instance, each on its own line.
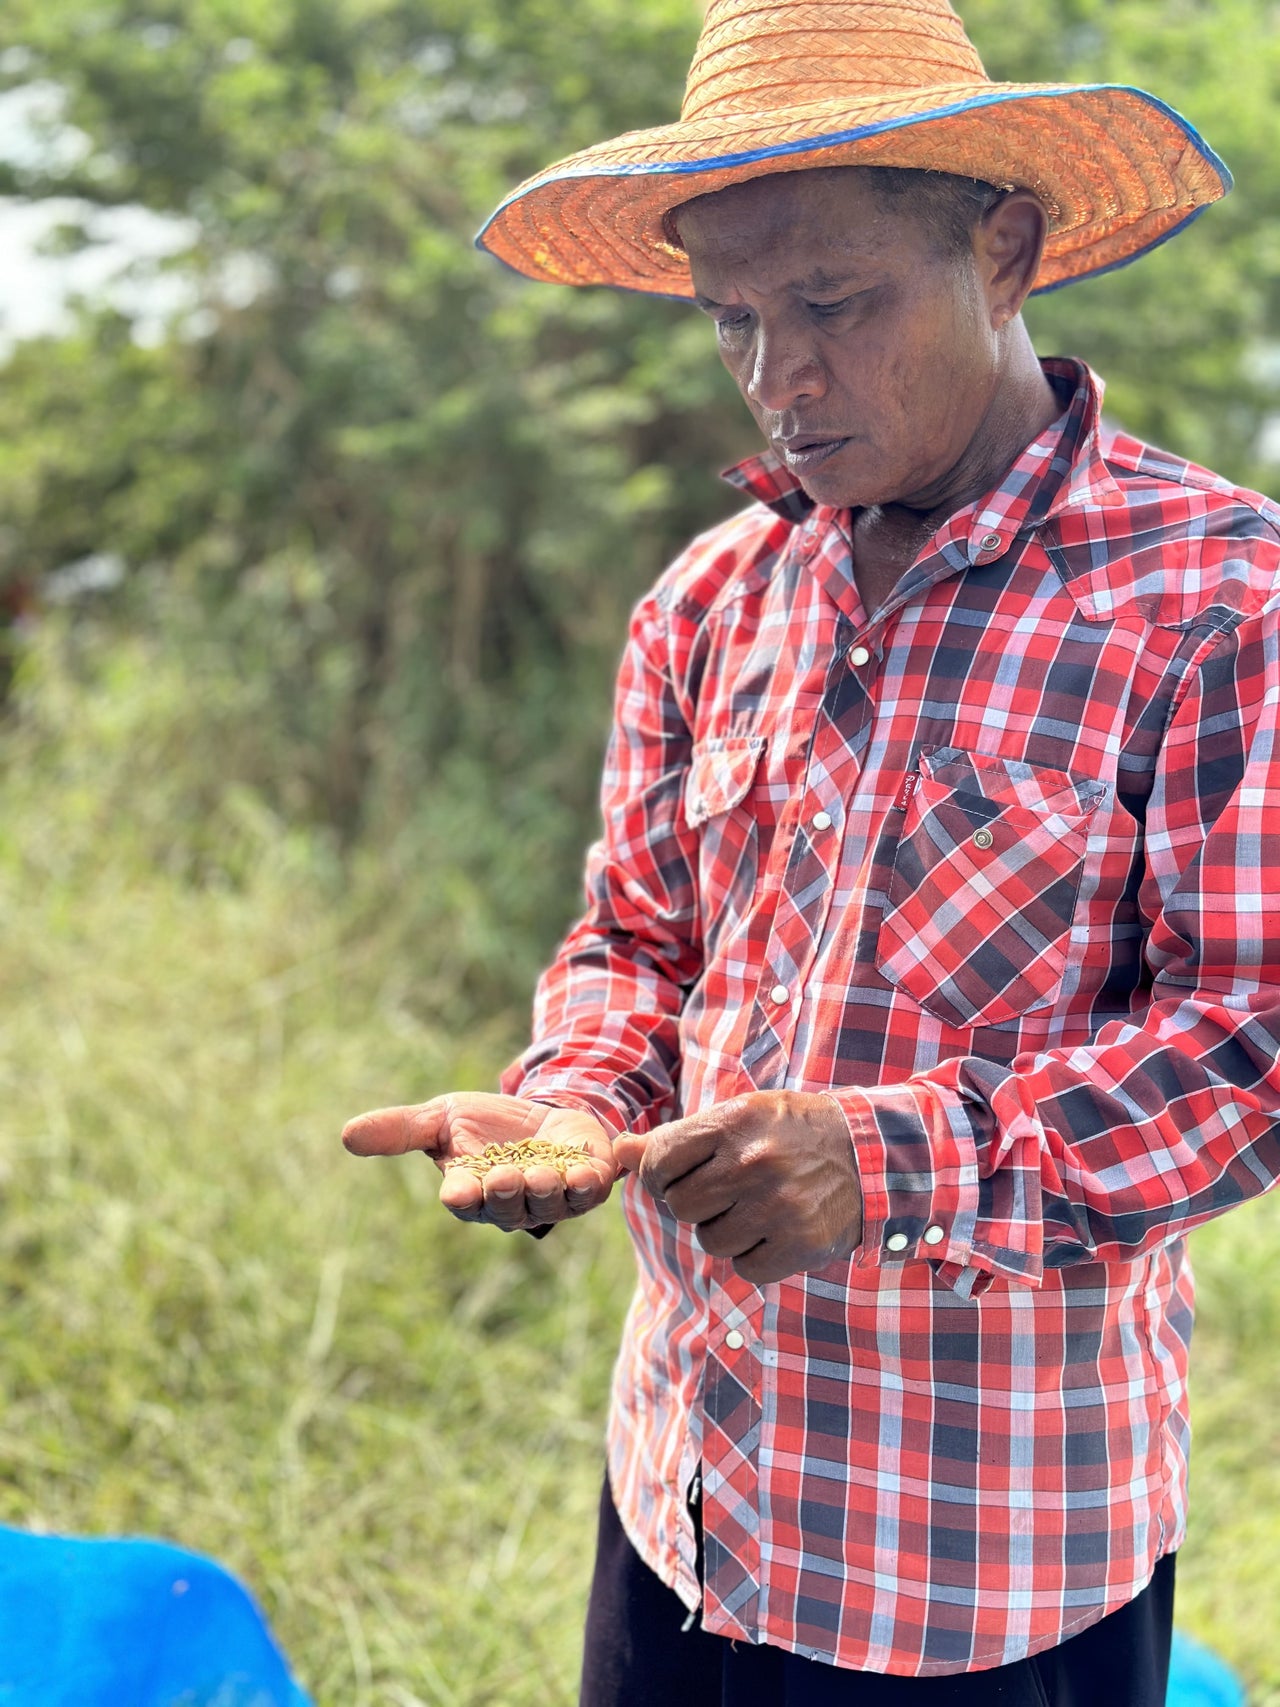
<point x="1227" y="1594"/>
<point x="220" y="1327"/>
<point x="223" y="1330"/>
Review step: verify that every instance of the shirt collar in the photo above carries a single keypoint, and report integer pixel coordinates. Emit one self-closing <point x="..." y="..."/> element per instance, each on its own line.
<point x="1063" y="466"/>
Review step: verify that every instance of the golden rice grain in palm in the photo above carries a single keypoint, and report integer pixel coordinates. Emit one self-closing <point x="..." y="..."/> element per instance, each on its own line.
<point x="527" y="1153"/>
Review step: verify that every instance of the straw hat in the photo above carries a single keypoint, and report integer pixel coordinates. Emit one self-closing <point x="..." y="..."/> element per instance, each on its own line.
<point x="777" y="85"/>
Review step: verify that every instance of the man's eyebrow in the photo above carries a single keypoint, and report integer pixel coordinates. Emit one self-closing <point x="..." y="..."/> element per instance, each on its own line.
<point x="822" y="280"/>
<point x="818" y="280"/>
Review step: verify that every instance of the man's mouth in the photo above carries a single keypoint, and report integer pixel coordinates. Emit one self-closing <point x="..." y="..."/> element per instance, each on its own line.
<point x="806" y="450"/>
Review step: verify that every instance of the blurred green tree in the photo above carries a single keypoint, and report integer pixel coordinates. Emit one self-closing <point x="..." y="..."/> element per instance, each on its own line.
<point x="399" y="499"/>
<point x="1186" y="338"/>
<point x="386" y="474"/>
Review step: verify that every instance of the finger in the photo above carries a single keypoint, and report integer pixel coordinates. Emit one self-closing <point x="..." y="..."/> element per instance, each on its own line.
<point x="395" y="1131"/>
<point x="587" y="1185"/>
<point x="462" y="1194"/>
<point x="544" y="1196"/>
<point x="629" y="1149"/>
<point x="674" y="1150"/>
<point x="711" y="1190"/>
<point x="766" y="1263"/>
<point x="731" y="1234"/>
<point x="504" y="1202"/>
<point x="778" y="1258"/>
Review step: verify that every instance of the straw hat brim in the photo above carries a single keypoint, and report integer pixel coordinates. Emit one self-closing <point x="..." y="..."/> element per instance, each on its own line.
<point x="1118" y="170"/>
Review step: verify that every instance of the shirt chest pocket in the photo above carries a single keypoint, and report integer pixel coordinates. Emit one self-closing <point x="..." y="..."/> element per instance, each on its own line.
<point x="719" y="805"/>
<point x="981" y="899"/>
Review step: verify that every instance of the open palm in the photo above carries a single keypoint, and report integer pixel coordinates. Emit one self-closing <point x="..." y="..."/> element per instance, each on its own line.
<point x="463" y="1123"/>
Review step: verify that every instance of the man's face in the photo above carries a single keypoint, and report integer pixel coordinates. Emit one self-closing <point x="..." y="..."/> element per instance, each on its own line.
<point x="866" y="356"/>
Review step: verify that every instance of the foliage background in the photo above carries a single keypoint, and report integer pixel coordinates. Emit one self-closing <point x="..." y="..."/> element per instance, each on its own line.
<point x="292" y="814"/>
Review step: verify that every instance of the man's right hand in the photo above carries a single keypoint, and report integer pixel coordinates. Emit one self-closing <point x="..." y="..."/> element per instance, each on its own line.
<point x="462" y="1123"/>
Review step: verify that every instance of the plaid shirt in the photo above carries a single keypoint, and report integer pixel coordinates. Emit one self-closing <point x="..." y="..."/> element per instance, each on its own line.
<point x="987" y="866"/>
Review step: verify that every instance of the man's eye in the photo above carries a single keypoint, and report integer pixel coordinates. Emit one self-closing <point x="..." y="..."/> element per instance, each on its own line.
<point x="729" y="325"/>
<point x="828" y="310"/>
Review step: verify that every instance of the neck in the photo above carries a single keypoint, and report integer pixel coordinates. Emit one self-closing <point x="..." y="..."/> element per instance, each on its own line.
<point x="1022" y="405"/>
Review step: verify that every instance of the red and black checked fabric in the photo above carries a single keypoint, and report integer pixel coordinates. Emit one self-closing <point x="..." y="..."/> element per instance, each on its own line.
<point x="993" y="866"/>
<point x="984" y="885"/>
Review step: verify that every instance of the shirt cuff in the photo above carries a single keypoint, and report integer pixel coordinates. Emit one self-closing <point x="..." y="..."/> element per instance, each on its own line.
<point x="917" y="1161"/>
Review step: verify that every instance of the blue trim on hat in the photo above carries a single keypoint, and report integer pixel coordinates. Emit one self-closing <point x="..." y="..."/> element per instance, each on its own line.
<point x="832" y="139"/>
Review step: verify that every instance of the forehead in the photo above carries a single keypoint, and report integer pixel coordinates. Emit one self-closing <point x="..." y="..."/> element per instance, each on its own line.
<point x="829" y="217"/>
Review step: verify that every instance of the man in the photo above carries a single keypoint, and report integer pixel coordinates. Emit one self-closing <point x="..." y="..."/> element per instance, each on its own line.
<point x="928" y="980"/>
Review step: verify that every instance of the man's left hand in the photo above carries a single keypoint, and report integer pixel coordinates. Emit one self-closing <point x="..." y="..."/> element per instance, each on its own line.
<point x="768" y="1180"/>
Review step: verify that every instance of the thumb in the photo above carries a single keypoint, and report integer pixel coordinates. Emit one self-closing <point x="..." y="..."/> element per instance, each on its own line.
<point x="394" y="1131"/>
<point x="628" y="1151"/>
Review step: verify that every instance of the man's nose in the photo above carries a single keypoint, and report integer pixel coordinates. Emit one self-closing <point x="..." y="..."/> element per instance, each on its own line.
<point x="785" y="370"/>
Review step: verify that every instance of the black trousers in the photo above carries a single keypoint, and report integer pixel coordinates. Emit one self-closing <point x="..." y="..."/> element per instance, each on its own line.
<point x="638" y="1655"/>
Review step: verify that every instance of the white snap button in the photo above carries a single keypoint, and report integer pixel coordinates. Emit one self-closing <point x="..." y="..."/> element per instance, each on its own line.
<point x="821" y="820"/>
<point x="934" y="1235"/>
<point x="859" y="655"/>
<point x="983" y="838"/>
<point x="779" y="993"/>
<point x="990" y="541"/>
<point x="734" y="1340"/>
<point x="897" y="1241"/>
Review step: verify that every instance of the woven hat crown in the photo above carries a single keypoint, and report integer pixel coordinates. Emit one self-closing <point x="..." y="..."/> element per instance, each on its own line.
<point x="752" y="58"/>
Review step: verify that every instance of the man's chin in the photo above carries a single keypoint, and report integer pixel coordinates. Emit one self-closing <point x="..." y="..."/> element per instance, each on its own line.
<point x="841" y="479"/>
<point x="841" y="493"/>
<point x="858" y="488"/>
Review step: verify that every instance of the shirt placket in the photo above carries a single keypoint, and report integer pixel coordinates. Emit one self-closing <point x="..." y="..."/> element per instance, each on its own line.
<point x="732" y="1392"/>
<point x="736" y="1366"/>
<point x="811" y="850"/>
<point x="731" y="1403"/>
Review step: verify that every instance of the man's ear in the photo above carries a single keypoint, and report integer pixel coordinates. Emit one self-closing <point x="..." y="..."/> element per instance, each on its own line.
<point x="1008" y="244"/>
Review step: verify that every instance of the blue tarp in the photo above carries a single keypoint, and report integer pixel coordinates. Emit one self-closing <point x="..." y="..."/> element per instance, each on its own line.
<point x="130" y="1624"/>
<point x="1198" y="1678"/>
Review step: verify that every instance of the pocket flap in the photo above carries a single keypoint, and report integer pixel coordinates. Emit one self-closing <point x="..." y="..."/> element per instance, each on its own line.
<point x="720" y="773"/>
<point x="1009" y="783"/>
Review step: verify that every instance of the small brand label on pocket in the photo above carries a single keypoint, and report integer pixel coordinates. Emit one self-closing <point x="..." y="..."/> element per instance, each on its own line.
<point x="908" y="788"/>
